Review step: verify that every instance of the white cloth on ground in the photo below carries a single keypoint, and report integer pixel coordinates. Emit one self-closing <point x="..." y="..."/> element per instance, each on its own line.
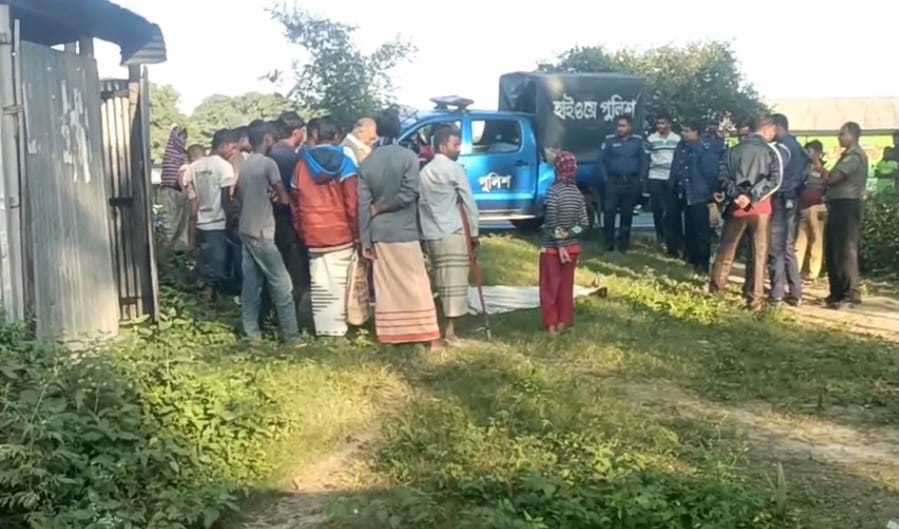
<point x="501" y="299"/>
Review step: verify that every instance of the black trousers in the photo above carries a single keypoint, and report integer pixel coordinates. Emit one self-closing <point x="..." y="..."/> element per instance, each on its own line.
<point x="619" y="200"/>
<point x="842" y="235"/>
<point x="667" y="215"/>
<point x="593" y="201"/>
<point x="758" y="228"/>
<point x="697" y="237"/>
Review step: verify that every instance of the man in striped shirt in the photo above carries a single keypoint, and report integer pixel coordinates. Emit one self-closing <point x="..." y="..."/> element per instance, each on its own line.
<point x="171" y="195"/>
<point x="662" y="190"/>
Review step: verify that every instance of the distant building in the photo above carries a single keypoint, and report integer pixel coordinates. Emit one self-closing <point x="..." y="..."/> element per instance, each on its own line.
<point x="877" y="116"/>
<point x="822" y="118"/>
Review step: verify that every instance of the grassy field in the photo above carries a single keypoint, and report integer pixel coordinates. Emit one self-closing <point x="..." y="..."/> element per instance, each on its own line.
<point x="662" y="408"/>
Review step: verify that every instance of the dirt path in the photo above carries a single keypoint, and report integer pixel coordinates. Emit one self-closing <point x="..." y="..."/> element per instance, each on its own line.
<point x="771" y="432"/>
<point x="314" y="488"/>
<point x="878" y="315"/>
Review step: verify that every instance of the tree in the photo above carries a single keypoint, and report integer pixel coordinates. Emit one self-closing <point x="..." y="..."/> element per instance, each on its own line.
<point x="219" y="112"/>
<point x="338" y="78"/>
<point x="164" y="113"/>
<point x="693" y="82"/>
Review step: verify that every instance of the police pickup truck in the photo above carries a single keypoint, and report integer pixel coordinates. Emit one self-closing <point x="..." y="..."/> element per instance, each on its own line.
<point x="508" y="153"/>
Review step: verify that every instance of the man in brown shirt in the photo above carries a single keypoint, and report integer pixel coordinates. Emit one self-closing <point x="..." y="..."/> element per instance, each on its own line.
<point x="845" y="204"/>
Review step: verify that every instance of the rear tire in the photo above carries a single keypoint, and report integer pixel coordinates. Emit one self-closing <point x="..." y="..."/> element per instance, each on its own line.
<point x="528" y="225"/>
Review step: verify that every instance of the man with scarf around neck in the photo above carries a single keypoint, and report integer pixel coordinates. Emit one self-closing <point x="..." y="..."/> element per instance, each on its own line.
<point x="391" y="239"/>
<point x="565" y="219"/>
<point x="325" y="214"/>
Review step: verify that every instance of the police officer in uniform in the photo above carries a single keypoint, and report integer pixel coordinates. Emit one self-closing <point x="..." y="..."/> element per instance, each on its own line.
<point x="623" y="165"/>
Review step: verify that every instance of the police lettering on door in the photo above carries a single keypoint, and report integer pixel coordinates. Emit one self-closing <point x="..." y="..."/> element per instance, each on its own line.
<point x="493" y="181"/>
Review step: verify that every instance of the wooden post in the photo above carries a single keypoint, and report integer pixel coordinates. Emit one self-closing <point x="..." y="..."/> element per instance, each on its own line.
<point x="11" y="261"/>
<point x="86" y="46"/>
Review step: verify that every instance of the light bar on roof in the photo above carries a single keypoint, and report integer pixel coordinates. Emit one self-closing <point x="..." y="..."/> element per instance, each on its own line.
<point x="446" y="102"/>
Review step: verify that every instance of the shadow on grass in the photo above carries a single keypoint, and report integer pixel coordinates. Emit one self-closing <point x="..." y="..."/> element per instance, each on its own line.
<point x="502" y="438"/>
<point x="303" y="509"/>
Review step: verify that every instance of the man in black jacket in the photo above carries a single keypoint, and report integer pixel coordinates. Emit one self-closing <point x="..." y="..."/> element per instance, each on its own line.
<point x="751" y="172"/>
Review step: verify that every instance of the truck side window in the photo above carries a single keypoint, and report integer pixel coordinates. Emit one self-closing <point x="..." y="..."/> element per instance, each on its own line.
<point x="419" y="140"/>
<point x="495" y="136"/>
<point x="421" y="137"/>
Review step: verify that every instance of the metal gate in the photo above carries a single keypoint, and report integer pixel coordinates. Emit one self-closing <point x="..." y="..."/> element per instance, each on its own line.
<point x="125" y="117"/>
<point x="74" y="288"/>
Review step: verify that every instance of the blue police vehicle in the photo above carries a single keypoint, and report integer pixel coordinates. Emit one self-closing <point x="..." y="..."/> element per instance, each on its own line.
<point x="508" y="153"/>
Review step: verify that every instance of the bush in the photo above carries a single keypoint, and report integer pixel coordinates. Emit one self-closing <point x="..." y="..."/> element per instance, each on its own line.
<point x="144" y="436"/>
<point x="880" y="241"/>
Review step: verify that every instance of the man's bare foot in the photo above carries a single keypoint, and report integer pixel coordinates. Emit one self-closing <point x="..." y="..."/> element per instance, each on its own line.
<point x="552" y="330"/>
<point x="452" y="340"/>
<point x="437" y="345"/>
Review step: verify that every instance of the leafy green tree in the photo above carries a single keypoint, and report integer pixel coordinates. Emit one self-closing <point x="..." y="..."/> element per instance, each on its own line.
<point x="338" y="78"/>
<point x="697" y="81"/>
<point x="164" y="113"/>
<point x="219" y="111"/>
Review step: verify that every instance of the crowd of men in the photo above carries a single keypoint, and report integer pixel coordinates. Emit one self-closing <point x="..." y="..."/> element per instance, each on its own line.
<point x="286" y="213"/>
<point x="303" y="212"/>
<point x="777" y="199"/>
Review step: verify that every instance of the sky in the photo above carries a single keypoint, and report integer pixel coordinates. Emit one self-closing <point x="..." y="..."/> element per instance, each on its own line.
<point x="786" y="49"/>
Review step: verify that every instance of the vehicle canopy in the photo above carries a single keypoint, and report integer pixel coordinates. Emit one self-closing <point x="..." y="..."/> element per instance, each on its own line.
<point x="572" y="111"/>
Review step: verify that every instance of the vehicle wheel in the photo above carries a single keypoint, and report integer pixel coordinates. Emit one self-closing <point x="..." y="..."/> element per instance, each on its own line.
<point x="528" y="225"/>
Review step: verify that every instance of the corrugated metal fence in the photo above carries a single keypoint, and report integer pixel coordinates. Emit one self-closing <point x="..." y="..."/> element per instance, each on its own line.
<point x="125" y="128"/>
<point x="75" y="292"/>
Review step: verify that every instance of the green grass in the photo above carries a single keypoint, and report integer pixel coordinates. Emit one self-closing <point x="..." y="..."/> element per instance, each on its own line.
<point x="663" y="407"/>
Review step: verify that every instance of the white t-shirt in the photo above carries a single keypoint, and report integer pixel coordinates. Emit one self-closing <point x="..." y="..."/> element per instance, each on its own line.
<point x="661" y="154"/>
<point x="207" y="176"/>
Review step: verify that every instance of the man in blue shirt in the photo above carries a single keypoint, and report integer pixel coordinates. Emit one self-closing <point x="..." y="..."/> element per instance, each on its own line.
<point x="783" y="267"/>
<point x="694" y="172"/>
<point x="623" y="165"/>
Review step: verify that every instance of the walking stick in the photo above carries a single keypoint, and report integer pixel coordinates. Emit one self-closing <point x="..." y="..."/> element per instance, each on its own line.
<point x="473" y="260"/>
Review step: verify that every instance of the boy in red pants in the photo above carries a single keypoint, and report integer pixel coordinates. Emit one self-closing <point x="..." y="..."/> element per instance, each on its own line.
<point x="565" y="219"/>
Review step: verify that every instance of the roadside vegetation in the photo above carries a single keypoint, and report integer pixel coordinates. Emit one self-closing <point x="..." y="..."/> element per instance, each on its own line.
<point x="662" y="408"/>
<point x="880" y="240"/>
